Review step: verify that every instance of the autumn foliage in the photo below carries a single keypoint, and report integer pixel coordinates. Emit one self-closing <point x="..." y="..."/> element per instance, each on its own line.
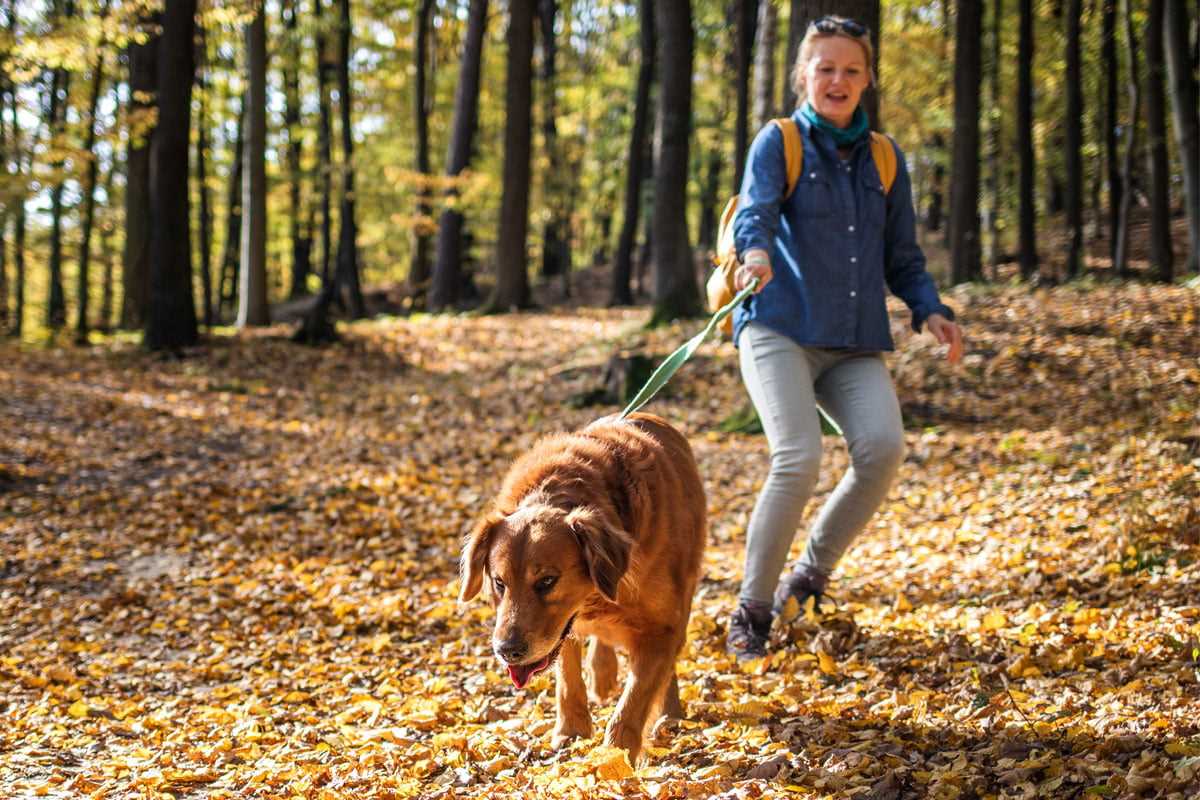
<point x="233" y="575"/>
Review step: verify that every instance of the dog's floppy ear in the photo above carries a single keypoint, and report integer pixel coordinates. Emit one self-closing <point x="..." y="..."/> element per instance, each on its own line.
<point x="605" y="546"/>
<point x="473" y="562"/>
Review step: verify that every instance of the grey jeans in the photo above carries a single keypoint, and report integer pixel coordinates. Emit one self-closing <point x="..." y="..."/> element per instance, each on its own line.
<point x="786" y="382"/>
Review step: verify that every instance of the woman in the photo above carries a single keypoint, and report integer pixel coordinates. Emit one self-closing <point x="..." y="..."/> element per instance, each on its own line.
<point x="815" y="330"/>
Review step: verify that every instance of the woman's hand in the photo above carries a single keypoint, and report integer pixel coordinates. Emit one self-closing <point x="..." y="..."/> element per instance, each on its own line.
<point x="755" y="264"/>
<point x="946" y="332"/>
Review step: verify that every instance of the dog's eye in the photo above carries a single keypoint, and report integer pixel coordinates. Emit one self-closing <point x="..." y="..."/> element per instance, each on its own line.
<point x="499" y="584"/>
<point x="546" y="584"/>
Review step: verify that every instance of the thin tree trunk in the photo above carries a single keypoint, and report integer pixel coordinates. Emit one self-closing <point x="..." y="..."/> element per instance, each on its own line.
<point x="107" y="255"/>
<point x="418" y="272"/>
<point x="743" y="49"/>
<point x="1162" y="259"/>
<point x="56" y="304"/>
<point x="620" y="293"/>
<point x="1111" y="111"/>
<point x="301" y="246"/>
<point x="964" y="191"/>
<point x="17" y="321"/>
<point x="205" y="226"/>
<point x="1074" y="129"/>
<point x="447" y="273"/>
<point x="764" y="64"/>
<point x="172" y="318"/>
<point x="1029" y="257"/>
<point x="512" y="274"/>
<point x="82" y="322"/>
<point x="1185" y="116"/>
<point x="252" y="297"/>
<point x="556" y="255"/>
<point x="135" y="270"/>
<point x="325" y="66"/>
<point x="227" y="285"/>
<point x="994" y="115"/>
<point x="5" y="90"/>
<point x="709" y="200"/>
<point x="676" y="293"/>
<point x="1121" y="244"/>
<point x="347" y="255"/>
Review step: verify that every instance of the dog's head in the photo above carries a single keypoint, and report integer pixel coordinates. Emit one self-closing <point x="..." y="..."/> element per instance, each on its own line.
<point x="541" y="563"/>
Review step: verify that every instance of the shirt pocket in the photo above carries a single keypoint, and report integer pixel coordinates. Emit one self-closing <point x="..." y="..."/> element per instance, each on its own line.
<point x="814" y="195"/>
<point x="874" y="200"/>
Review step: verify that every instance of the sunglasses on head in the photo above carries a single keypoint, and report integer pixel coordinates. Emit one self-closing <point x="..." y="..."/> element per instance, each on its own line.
<point x="833" y="25"/>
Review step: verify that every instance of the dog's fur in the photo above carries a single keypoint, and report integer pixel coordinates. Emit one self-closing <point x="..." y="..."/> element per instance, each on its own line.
<point x="614" y="518"/>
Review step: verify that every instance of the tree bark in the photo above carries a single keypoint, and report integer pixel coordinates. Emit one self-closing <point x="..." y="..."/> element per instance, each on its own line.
<point x="512" y="274"/>
<point x="1074" y="129"/>
<point x="252" y="297"/>
<point x="347" y="254"/>
<point x="1185" y="117"/>
<point x="1121" y="234"/>
<point x="964" y="191"/>
<point x="556" y="253"/>
<point x="171" y="323"/>
<point x="326" y="67"/>
<point x="82" y="322"/>
<point x="447" y="273"/>
<point x="301" y="245"/>
<point x="1162" y="259"/>
<point x="676" y="293"/>
<point x="709" y="202"/>
<point x="205" y="222"/>
<point x="105" y="320"/>
<point x="621" y="293"/>
<point x="227" y="285"/>
<point x="1111" y="111"/>
<point x="1028" y="225"/>
<point x="743" y="49"/>
<point x="764" y="64"/>
<point x="994" y="129"/>
<point x="56" y="303"/>
<point x="418" y="272"/>
<point x="135" y="267"/>
<point x="5" y="91"/>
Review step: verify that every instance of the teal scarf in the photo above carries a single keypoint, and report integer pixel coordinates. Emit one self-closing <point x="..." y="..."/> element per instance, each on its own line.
<point x="842" y="137"/>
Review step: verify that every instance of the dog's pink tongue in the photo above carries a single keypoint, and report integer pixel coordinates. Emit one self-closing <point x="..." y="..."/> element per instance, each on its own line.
<point x="521" y="673"/>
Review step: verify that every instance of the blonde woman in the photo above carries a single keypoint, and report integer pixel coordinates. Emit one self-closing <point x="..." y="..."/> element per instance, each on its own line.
<point x="815" y="330"/>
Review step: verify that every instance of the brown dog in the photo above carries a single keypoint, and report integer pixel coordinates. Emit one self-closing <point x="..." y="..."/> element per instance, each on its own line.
<point x="596" y="533"/>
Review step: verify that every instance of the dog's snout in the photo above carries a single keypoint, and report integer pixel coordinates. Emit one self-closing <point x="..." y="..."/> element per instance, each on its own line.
<point x="512" y="649"/>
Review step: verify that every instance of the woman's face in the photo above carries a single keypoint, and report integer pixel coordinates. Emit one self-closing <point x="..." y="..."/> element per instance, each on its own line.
<point x="835" y="77"/>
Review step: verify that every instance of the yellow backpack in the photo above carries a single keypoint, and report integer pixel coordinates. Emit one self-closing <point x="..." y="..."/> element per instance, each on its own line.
<point x="720" y="288"/>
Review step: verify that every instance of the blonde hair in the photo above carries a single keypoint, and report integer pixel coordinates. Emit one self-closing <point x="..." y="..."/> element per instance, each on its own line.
<point x="804" y="53"/>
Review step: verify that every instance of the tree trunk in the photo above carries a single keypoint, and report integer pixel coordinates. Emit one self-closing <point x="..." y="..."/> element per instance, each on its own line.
<point x="5" y="90"/>
<point x="107" y="229"/>
<point x="448" y="273"/>
<point x="418" y="272"/>
<point x="676" y="293"/>
<point x="228" y="283"/>
<point x="301" y="245"/>
<point x="764" y="64"/>
<point x="135" y="267"/>
<point x="1111" y="111"/>
<point x="82" y="322"/>
<point x="556" y="253"/>
<point x="1162" y="259"/>
<point x="347" y="253"/>
<point x="964" y="190"/>
<point x="252" y="297"/>
<point x="1121" y="234"/>
<point x="620" y="293"/>
<point x="709" y="202"/>
<point x="17" y="321"/>
<point x="172" y="318"/>
<point x="1186" y="117"/>
<point x="205" y="226"/>
<point x="1029" y="257"/>
<point x="512" y="275"/>
<point x="994" y="134"/>
<point x="326" y="67"/>
<point x="743" y="49"/>
<point x="804" y="12"/>
<point x="56" y="304"/>
<point x="1074" y="129"/>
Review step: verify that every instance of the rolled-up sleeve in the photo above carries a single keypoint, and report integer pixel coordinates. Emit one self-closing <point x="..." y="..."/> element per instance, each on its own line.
<point x="763" y="186"/>
<point x="903" y="259"/>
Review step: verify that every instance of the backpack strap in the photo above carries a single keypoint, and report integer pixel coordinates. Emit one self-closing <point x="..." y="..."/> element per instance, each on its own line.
<point x="793" y="151"/>
<point x="885" y="159"/>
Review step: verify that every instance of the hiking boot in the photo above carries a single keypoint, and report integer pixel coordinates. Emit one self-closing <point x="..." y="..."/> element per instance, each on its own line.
<point x="749" y="631"/>
<point x="801" y="583"/>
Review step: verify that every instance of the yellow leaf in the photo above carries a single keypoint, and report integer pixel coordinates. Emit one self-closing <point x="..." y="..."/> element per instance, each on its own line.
<point x="826" y="663"/>
<point x="902" y="605"/>
<point x="994" y="620"/>
<point x="610" y="763"/>
<point x="295" y="697"/>
<point x="79" y="709"/>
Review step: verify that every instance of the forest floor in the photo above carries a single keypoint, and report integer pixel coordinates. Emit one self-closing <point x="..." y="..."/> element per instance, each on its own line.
<point x="233" y="575"/>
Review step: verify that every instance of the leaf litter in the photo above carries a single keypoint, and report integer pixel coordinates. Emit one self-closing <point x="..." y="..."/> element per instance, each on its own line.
<point x="232" y="575"/>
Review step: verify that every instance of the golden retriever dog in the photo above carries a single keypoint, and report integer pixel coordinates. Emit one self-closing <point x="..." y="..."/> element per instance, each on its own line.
<point x="595" y="533"/>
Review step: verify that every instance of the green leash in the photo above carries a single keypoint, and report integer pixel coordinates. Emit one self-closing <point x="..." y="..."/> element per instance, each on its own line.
<point x="674" y="361"/>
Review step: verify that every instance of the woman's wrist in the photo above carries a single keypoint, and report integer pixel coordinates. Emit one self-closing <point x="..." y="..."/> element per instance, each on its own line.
<point x="756" y="256"/>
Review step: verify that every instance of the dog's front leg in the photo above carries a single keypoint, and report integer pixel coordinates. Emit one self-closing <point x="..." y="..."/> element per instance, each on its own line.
<point x="651" y="666"/>
<point x="602" y="665"/>
<point x="574" y="721"/>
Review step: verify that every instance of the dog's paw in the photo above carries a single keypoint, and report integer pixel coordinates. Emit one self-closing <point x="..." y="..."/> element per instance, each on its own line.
<point x="627" y="738"/>
<point x="565" y="733"/>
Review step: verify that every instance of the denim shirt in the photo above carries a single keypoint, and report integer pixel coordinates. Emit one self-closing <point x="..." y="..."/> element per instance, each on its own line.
<point x="833" y="244"/>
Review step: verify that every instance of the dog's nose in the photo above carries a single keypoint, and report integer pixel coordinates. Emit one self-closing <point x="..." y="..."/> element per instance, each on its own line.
<point x="512" y="650"/>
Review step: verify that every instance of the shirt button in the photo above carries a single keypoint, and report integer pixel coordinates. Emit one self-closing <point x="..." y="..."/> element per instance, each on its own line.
<point x="852" y="229"/>
<point x="812" y="174"/>
<point x="853" y="259"/>
<point x="854" y="294"/>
